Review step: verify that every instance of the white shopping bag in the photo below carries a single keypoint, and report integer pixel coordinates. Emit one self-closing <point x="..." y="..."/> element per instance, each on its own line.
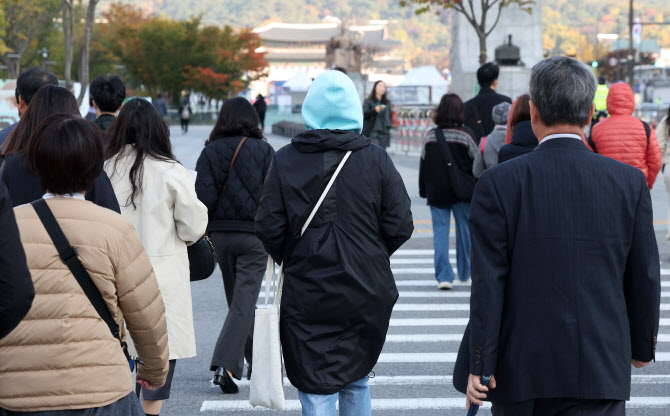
<point x="267" y="378"/>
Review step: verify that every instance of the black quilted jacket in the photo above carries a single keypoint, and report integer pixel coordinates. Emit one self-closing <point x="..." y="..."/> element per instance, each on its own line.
<point x="234" y="209"/>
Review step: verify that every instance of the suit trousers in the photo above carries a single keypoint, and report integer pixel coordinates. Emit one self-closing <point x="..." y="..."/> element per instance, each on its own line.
<point x="561" y="407"/>
<point x="243" y="261"/>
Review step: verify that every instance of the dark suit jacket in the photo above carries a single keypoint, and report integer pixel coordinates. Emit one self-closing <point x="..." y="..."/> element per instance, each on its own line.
<point x="565" y="275"/>
<point x="16" y="285"/>
<point x="24" y="186"/>
<point x="484" y="103"/>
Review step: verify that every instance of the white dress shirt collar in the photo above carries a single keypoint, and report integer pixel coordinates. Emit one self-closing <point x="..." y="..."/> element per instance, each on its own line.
<point x="560" y="135"/>
<point x="73" y="196"/>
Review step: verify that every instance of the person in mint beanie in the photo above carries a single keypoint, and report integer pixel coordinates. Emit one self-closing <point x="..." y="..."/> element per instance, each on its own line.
<point x="339" y="291"/>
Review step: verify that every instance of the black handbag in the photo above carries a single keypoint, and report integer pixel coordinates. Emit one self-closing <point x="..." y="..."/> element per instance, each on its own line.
<point x="201" y="259"/>
<point x="462" y="182"/>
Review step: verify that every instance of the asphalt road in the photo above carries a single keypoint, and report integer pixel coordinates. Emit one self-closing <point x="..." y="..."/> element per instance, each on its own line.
<point x="413" y="376"/>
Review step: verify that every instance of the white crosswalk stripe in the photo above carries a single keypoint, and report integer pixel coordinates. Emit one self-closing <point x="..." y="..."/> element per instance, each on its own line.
<point x="425" y="332"/>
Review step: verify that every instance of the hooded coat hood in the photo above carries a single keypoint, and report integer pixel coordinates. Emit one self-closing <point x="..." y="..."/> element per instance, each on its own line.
<point x="332" y="103"/>
<point x="620" y="100"/>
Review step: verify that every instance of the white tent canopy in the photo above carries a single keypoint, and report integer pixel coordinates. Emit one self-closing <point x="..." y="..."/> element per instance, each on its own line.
<point x="299" y="81"/>
<point x="427" y="76"/>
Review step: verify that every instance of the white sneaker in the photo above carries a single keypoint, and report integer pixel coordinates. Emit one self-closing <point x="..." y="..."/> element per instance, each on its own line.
<point x="444" y="286"/>
<point x="465" y="283"/>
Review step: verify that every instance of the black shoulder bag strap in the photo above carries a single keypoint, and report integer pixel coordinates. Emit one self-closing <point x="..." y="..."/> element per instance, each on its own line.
<point x="647" y="130"/>
<point x="68" y="255"/>
<point x="444" y="147"/>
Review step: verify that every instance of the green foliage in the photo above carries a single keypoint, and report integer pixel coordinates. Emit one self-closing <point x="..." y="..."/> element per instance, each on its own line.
<point x="171" y="55"/>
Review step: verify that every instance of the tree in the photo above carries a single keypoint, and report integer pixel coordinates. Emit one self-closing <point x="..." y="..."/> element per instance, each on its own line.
<point x="24" y="20"/>
<point x="478" y="20"/>
<point x="169" y="55"/>
<point x="68" y="10"/>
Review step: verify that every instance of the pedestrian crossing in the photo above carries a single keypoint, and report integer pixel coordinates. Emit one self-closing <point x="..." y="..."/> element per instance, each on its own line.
<point x="413" y="373"/>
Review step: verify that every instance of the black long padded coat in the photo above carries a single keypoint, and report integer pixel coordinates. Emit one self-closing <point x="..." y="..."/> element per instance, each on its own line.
<point x="338" y="287"/>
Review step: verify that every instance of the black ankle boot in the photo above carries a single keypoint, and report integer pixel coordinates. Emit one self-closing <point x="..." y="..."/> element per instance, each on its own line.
<point x="225" y="382"/>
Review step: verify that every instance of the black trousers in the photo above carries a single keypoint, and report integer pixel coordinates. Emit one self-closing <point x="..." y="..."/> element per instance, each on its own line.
<point x="560" y="407"/>
<point x="242" y="260"/>
<point x="184" y="124"/>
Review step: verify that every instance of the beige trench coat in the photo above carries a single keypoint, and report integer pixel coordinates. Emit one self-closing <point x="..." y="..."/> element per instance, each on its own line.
<point x="168" y="216"/>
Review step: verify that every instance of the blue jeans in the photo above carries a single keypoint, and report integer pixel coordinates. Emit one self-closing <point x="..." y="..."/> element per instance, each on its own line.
<point x="441" y="225"/>
<point x="354" y="400"/>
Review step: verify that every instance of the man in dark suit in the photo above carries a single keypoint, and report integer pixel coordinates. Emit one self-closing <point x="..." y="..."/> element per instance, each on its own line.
<point x="478" y="110"/>
<point x="565" y="266"/>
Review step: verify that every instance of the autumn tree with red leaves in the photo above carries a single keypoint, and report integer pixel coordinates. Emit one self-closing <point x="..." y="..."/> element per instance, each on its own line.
<point x="170" y="55"/>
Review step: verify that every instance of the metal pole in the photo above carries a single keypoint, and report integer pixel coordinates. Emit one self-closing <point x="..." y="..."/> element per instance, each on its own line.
<point x="631" y="64"/>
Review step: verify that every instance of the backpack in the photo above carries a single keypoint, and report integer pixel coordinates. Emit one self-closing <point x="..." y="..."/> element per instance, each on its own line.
<point x="647" y="130"/>
<point x="185" y="114"/>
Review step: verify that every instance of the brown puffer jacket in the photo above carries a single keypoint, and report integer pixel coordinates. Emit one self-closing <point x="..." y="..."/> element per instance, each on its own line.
<point x="622" y="136"/>
<point x="62" y="355"/>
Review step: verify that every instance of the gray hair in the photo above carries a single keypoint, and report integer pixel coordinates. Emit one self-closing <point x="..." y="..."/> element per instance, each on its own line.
<point x="562" y="89"/>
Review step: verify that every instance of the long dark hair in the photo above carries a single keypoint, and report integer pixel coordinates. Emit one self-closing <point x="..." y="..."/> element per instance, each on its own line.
<point x="139" y="124"/>
<point x="47" y="101"/>
<point x="236" y="118"/>
<point x="373" y="94"/>
<point x="450" y="112"/>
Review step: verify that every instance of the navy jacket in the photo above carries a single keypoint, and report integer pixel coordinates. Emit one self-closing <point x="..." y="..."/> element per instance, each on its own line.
<point x="565" y="275"/>
<point x="338" y="287"/>
<point x="235" y="208"/>
<point x="24" y="186"/>
<point x="482" y="103"/>
<point x="16" y="285"/>
<point x="523" y="141"/>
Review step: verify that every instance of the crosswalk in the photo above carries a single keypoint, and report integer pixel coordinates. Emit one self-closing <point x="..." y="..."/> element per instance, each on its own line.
<point x="413" y="374"/>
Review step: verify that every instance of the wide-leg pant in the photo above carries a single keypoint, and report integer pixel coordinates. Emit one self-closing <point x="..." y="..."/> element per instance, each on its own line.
<point x="242" y="260"/>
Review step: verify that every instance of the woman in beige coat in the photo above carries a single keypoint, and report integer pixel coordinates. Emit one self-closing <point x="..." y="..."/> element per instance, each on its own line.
<point x="157" y="194"/>
<point x="62" y="359"/>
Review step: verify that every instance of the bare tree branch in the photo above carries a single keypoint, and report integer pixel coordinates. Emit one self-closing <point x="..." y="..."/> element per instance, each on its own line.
<point x="495" y="23"/>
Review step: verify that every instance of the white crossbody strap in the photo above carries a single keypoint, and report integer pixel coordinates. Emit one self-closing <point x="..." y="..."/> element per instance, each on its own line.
<point x="269" y="274"/>
<point x="325" y="193"/>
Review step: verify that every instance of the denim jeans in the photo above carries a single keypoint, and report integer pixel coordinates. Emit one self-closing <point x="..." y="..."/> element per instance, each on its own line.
<point x="441" y="224"/>
<point x="354" y="400"/>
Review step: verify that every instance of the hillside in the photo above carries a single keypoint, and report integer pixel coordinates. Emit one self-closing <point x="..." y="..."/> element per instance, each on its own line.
<point x="569" y="26"/>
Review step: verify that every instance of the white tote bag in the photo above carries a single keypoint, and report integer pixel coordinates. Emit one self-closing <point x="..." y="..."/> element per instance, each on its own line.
<point x="267" y="378"/>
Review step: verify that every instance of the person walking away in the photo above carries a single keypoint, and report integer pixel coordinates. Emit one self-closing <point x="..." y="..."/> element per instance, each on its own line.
<point x="185" y="113"/>
<point x="160" y="105"/>
<point x="231" y="171"/>
<point x="261" y="107"/>
<point x="438" y="184"/>
<point x="107" y="94"/>
<point x="27" y="84"/>
<point x="523" y="138"/>
<point x="17" y="292"/>
<point x="377" y="116"/>
<point x="601" y="95"/>
<point x="487" y="156"/>
<point x="552" y="278"/>
<point x="338" y="290"/>
<point x="626" y="138"/>
<point x="157" y="195"/>
<point x="663" y="134"/>
<point x="478" y="109"/>
<point x="22" y="183"/>
<point x="63" y="359"/>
